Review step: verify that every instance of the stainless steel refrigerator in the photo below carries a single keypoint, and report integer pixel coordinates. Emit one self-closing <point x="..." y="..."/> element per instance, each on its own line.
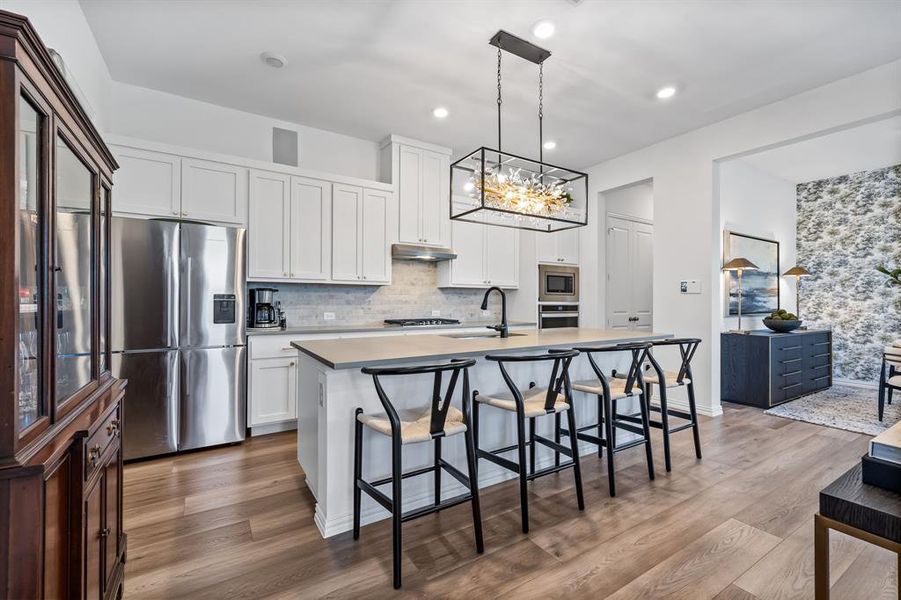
<point x="178" y="334"/>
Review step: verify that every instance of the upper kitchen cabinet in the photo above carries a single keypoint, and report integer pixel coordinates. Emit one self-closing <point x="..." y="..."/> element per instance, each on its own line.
<point x="486" y="256"/>
<point x="213" y="191"/>
<point x="289" y="228"/>
<point x="420" y="173"/>
<point x="162" y="184"/>
<point x="561" y="247"/>
<point x="362" y="224"/>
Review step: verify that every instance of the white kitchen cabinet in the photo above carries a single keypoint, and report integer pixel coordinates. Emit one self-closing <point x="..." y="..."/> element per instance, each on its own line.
<point x="362" y="223"/>
<point x="268" y="226"/>
<point x="486" y="255"/>
<point x="311" y="229"/>
<point x="273" y="391"/>
<point x="560" y="247"/>
<point x="147" y="183"/>
<point x="213" y="191"/>
<point x="421" y="174"/>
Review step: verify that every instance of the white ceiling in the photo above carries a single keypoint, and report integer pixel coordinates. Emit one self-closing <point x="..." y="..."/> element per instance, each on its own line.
<point x="871" y="146"/>
<point x="370" y="68"/>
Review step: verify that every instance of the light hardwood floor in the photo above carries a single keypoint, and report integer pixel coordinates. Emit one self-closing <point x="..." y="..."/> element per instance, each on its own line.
<point x="238" y="523"/>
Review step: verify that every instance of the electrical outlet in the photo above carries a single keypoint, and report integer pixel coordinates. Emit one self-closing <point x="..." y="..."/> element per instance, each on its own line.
<point x="486" y="313"/>
<point x="328" y="316"/>
<point x="436" y="313"/>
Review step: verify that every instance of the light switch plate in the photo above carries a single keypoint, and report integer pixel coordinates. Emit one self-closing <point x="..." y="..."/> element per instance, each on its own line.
<point x="436" y="313"/>
<point x="690" y="286"/>
<point x="328" y="316"/>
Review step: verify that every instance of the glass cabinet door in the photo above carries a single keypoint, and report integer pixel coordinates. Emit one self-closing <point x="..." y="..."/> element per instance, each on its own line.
<point x="28" y="236"/>
<point x="74" y="193"/>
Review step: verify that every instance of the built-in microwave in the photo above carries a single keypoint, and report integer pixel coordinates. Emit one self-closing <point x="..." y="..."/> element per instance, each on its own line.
<point x="558" y="284"/>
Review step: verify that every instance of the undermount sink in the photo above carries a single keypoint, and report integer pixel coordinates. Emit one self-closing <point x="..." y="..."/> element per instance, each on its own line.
<point x="476" y="336"/>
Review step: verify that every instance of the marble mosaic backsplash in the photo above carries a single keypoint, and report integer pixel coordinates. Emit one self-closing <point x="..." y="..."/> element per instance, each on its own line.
<point x="846" y="226"/>
<point x="413" y="293"/>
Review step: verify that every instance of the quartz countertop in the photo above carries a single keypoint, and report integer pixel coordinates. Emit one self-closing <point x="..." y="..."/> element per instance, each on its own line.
<point x="368" y="327"/>
<point x="372" y="351"/>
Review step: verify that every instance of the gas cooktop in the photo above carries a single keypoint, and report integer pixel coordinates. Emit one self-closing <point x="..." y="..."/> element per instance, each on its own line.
<point x="421" y="322"/>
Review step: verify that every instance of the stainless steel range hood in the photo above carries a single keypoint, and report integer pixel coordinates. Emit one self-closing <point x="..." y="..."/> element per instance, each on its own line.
<point x="421" y="253"/>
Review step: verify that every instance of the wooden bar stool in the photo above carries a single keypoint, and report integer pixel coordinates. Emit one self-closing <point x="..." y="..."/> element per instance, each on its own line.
<point x="608" y="391"/>
<point x="554" y="399"/>
<point x="890" y="375"/>
<point x="655" y="375"/>
<point x="432" y="423"/>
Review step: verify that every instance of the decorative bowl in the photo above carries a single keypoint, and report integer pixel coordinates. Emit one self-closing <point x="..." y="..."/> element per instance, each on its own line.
<point x="782" y="326"/>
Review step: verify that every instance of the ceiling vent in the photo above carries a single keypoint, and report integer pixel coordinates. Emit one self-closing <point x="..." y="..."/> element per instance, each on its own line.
<point x="285" y="150"/>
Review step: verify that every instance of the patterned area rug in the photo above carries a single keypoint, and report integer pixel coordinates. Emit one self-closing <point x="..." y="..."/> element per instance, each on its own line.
<point x="842" y="407"/>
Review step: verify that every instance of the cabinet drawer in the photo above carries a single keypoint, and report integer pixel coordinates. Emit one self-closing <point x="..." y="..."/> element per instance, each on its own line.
<point x="788" y="344"/>
<point x="99" y="442"/>
<point x="279" y="346"/>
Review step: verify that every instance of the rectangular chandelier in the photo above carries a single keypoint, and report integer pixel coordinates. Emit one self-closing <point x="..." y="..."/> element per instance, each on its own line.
<point x="499" y="188"/>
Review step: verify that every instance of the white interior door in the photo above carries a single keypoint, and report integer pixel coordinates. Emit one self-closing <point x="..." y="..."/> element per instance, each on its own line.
<point x="267" y="232"/>
<point x="630" y="271"/>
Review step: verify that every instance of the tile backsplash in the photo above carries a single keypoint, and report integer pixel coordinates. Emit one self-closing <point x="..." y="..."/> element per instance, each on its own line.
<point x="413" y="293"/>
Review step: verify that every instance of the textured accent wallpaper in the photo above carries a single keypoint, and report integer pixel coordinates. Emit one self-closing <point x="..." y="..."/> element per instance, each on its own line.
<point x="846" y="226"/>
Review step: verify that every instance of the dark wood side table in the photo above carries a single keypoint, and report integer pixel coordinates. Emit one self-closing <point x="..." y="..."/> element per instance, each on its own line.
<point x="852" y="507"/>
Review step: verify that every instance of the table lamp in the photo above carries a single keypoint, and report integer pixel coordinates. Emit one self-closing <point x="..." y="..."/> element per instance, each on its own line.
<point x="797" y="272"/>
<point x="739" y="265"/>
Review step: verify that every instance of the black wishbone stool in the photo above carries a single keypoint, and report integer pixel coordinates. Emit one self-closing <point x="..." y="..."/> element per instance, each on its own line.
<point x="608" y="391"/>
<point x="889" y="375"/>
<point x="412" y="426"/>
<point x="655" y="375"/>
<point x="530" y="404"/>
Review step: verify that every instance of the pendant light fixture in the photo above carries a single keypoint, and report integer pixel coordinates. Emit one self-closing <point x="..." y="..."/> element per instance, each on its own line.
<point x="494" y="187"/>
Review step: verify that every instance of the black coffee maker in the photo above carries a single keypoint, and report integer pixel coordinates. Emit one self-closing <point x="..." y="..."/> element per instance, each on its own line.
<point x="264" y="311"/>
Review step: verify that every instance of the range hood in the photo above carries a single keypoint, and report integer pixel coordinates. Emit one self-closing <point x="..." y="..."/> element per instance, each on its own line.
<point x="421" y="253"/>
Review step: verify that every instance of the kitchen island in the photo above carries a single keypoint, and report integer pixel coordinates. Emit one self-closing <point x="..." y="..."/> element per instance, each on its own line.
<point x="330" y="387"/>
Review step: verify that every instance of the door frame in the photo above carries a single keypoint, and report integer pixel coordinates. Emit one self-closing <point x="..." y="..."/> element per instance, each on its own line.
<point x="607" y="217"/>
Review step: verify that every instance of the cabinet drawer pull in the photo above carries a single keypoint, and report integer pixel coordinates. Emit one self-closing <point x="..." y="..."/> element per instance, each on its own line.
<point x="822" y="355"/>
<point x="821" y="366"/>
<point x="287" y="349"/>
<point x="821" y="377"/>
<point x="105" y="532"/>
<point x="94" y="455"/>
<point x="787" y="348"/>
<point x="113" y="427"/>
<point x="791" y="373"/>
<point x="821" y="343"/>
<point x="791" y="360"/>
<point x="788" y="387"/>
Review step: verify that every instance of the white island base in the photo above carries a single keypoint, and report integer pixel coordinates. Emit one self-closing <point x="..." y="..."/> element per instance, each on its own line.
<point x="331" y="387"/>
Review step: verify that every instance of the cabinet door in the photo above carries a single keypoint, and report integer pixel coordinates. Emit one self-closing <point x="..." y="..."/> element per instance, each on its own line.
<point x="212" y="191"/>
<point x="346" y="201"/>
<point x="268" y="237"/>
<point x="435" y="198"/>
<point x="112" y="514"/>
<point x="375" y="244"/>
<point x="502" y="256"/>
<point x="147" y="183"/>
<point x="468" y="269"/>
<point x="311" y="229"/>
<point x="546" y="247"/>
<point x="568" y="246"/>
<point x="409" y="190"/>
<point x="93" y="540"/>
<point x="273" y="391"/>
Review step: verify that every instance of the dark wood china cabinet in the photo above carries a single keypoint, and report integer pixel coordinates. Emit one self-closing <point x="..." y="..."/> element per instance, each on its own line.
<point x="61" y="530"/>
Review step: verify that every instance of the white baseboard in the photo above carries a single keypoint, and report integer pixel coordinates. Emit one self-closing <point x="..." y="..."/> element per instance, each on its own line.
<point x="707" y="411"/>
<point x="273" y="428"/>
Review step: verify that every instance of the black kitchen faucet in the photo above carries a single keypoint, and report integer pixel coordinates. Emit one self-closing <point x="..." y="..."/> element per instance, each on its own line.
<point x="502" y="328"/>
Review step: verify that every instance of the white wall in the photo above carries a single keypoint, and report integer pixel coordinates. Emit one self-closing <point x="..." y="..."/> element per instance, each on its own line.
<point x="632" y="201"/>
<point x="755" y="202"/>
<point x="161" y="117"/>
<point x="687" y="222"/>
<point x="62" y="26"/>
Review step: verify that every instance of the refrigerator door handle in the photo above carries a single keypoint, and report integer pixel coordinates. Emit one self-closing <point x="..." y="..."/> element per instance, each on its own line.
<point x="186" y="327"/>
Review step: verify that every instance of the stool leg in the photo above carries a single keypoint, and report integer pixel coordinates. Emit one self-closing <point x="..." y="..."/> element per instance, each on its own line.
<point x="601" y="417"/>
<point x="437" y="471"/>
<point x="532" y="445"/>
<point x="396" y="505"/>
<point x="664" y="421"/>
<point x="523" y="487"/>
<point x="577" y="468"/>
<point x="645" y="426"/>
<point x="474" y="491"/>
<point x="613" y="414"/>
<point x="557" y="437"/>
<point x="358" y="470"/>
<point x="694" y="418"/>
<point x="882" y="386"/>
<point x="608" y="436"/>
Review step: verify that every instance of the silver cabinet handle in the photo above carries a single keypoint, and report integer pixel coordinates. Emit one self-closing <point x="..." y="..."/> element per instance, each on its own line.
<point x="174" y="212"/>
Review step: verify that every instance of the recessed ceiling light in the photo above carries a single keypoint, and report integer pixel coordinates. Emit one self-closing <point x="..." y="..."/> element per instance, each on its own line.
<point x="550" y="145"/>
<point x="276" y="61"/>
<point x="440" y="112"/>
<point x="543" y="29"/>
<point x="666" y="92"/>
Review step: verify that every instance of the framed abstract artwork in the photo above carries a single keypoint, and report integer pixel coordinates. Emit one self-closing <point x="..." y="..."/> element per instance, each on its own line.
<point x="760" y="289"/>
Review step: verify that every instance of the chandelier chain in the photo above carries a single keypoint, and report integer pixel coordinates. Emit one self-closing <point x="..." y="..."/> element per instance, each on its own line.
<point x="541" y="114"/>
<point x="498" y="97"/>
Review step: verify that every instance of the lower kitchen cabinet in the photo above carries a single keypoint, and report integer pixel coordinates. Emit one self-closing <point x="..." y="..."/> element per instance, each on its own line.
<point x="273" y="391"/>
<point x="486" y="256"/>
